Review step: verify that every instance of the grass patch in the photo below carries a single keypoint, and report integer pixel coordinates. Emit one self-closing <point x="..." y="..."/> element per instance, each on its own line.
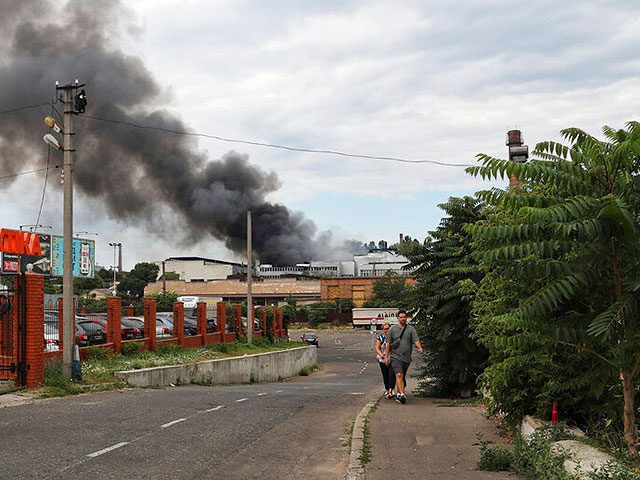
<point x="349" y="432"/>
<point x="365" y="454"/>
<point x="306" y="371"/>
<point x="98" y="371"/>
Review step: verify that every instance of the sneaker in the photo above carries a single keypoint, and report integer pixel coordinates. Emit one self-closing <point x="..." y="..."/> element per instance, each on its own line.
<point x="403" y="399"/>
<point x="398" y="398"/>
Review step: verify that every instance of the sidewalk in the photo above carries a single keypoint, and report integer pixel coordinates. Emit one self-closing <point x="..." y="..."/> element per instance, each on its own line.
<point x="427" y="439"/>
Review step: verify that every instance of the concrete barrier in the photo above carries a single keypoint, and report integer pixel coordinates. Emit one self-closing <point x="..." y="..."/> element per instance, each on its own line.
<point x="261" y="367"/>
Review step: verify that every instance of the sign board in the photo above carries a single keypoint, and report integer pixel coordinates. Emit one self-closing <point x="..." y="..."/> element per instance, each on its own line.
<point x="40" y="258"/>
<point x="84" y="257"/>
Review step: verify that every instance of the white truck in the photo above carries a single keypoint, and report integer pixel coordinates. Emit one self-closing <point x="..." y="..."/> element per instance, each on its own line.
<point x="374" y="318"/>
<point x="191" y="302"/>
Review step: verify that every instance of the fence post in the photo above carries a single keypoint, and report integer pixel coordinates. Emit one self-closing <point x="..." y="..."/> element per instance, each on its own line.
<point x="237" y="312"/>
<point x="34" y="325"/>
<point x="201" y="313"/>
<point x="222" y="319"/>
<point x="150" y="322"/>
<point x="114" y="323"/>
<point x="263" y="319"/>
<point x="275" y="321"/>
<point x="131" y="311"/>
<point x="178" y="322"/>
<point x="280" y="323"/>
<point x="60" y="322"/>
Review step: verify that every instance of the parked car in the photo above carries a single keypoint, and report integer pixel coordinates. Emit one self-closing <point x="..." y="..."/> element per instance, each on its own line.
<point x="82" y="337"/>
<point x="95" y="331"/>
<point x="51" y="335"/>
<point x="162" y="331"/>
<point x="190" y="323"/>
<point x="311" y="338"/>
<point x="126" y="332"/>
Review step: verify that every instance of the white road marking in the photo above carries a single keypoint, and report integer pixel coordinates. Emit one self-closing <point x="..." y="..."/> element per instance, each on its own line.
<point x="278" y="391"/>
<point x="172" y="423"/>
<point x="356" y="393"/>
<point x="214" y="408"/>
<point x="242" y="399"/>
<point x="260" y="394"/>
<point x="108" y="449"/>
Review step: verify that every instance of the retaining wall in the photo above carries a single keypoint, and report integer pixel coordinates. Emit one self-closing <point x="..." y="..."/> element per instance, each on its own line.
<point x="261" y="367"/>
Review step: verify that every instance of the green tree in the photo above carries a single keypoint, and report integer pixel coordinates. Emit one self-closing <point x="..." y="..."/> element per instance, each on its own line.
<point x="389" y="291"/>
<point x="443" y="268"/>
<point x="133" y="283"/>
<point x="577" y="238"/>
<point x="83" y="284"/>
<point x="169" y="276"/>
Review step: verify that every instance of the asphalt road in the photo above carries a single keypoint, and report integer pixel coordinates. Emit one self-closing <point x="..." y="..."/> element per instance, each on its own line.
<point x="287" y="430"/>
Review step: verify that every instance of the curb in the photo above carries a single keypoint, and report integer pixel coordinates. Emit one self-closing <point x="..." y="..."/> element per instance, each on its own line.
<point x="355" y="470"/>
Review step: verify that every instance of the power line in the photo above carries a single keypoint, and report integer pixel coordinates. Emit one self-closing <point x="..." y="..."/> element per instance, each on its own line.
<point x="2" y="177"/>
<point x="24" y="108"/>
<point x="273" y="145"/>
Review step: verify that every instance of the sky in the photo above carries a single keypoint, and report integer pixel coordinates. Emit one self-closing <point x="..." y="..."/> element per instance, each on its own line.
<point x="418" y="80"/>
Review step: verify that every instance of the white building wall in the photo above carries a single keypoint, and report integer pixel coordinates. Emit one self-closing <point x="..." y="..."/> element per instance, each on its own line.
<point x="198" y="270"/>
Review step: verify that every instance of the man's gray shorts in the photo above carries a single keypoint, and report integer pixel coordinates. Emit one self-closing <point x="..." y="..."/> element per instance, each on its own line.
<point x="399" y="366"/>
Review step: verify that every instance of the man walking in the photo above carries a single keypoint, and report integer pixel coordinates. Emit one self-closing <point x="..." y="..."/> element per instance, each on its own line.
<point x="400" y="341"/>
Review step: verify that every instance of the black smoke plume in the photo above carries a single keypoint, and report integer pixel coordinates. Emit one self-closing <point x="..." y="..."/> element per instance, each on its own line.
<point x="135" y="173"/>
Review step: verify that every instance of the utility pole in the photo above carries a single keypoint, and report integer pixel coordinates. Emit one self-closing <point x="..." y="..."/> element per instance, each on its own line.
<point x="164" y="279"/>
<point x="115" y="246"/>
<point x="249" y="279"/>
<point x="68" y="320"/>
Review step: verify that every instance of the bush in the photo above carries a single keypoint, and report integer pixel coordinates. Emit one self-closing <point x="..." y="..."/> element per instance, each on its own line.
<point x="495" y="459"/>
<point x="168" y="348"/>
<point x="99" y="353"/>
<point x="131" y="348"/>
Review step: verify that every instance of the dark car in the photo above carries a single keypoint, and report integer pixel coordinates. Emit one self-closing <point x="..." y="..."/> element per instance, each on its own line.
<point x="82" y="338"/>
<point x="95" y="332"/>
<point x="311" y="338"/>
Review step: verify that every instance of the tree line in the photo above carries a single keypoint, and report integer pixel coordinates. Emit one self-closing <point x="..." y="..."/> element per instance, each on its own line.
<point x="531" y="294"/>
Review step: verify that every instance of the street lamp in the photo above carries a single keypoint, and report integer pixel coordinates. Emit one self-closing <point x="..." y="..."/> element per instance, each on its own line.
<point x="77" y="234"/>
<point x="114" y="245"/>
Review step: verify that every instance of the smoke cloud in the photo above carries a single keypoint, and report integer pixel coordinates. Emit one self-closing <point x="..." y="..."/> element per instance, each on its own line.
<point x="135" y="173"/>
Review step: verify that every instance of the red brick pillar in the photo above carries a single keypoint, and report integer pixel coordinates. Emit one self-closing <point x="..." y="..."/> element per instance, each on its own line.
<point x="253" y="310"/>
<point x="263" y="319"/>
<point x="131" y="311"/>
<point x="150" y="322"/>
<point x="114" y="323"/>
<point x="34" y="325"/>
<point x="178" y="322"/>
<point x="237" y="312"/>
<point x="279" y="323"/>
<point x="275" y="320"/>
<point x="201" y="315"/>
<point x="222" y="319"/>
<point x="60" y="323"/>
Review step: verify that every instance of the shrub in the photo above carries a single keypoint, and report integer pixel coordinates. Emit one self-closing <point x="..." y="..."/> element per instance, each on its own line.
<point x="131" y="348"/>
<point x="495" y="459"/>
<point x="168" y="348"/>
<point x="98" y="352"/>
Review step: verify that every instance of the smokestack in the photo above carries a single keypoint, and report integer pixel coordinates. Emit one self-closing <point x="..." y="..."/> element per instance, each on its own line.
<point x="517" y="153"/>
<point x="401" y="238"/>
<point x="137" y="174"/>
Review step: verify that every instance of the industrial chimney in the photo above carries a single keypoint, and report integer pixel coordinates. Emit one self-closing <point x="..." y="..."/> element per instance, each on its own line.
<point x="517" y="152"/>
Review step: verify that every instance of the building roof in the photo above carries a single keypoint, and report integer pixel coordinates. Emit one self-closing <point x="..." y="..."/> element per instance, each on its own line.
<point x="211" y="260"/>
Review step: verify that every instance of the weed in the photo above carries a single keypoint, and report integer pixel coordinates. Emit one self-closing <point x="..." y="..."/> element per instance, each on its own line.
<point x="495" y="459"/>
<point x="131" y="348"/>
<point x="613" y="471"/>
<point x="169" y="348"/>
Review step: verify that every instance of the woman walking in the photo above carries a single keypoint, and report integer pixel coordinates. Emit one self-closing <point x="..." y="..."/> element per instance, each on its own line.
<point x="387" y="372"/>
